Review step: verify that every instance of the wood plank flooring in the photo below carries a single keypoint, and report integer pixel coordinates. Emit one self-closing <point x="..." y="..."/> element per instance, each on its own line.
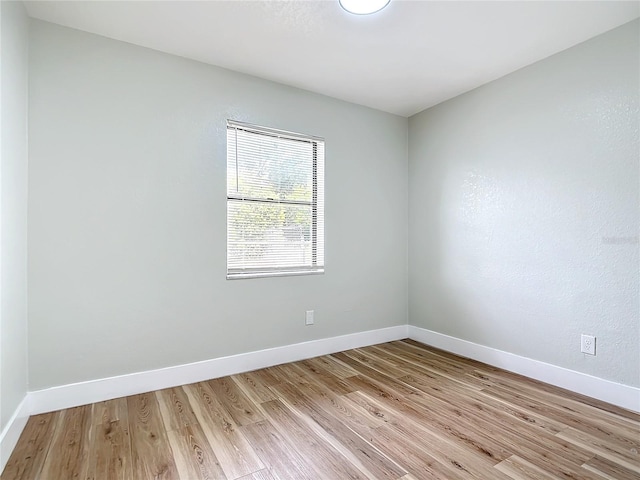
<point x="398" y="410"/>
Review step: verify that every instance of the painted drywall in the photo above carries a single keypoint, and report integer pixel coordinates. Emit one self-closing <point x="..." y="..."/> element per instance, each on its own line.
<point x="13" y="209"/>
<point x="127" y="213"/>
<point x="523" y="210"/>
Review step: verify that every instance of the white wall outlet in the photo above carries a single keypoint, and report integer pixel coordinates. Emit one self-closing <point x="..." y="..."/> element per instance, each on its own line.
<point x="588" y="344"/>
<point x="308" y="317"/>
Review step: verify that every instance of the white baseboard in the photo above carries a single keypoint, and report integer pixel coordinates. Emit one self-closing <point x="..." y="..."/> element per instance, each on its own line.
<point x="92" y="391"/>
<point x="12" y="431"/>
<point x="623" y="396"/>
<point x="83" y="393"/>
<point x="66" y="396"/>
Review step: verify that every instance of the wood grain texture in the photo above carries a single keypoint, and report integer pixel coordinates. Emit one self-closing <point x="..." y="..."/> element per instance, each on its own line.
<point x="70" y="442"/>
<point x="236" y="456"/>
<point x="151" y="453"/>
<point x="274" y="450"/>
<point x="398" y="411"/>
<point x="110" y="411"/>
<point x="175" y="408"/>
<point x="110" y="450"/>
<point x="235" y="401"/>
<point x="29" y="455"/>
<point x="193" y="454"/>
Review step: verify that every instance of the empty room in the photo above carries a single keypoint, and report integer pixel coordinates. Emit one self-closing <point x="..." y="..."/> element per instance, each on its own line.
<point x="319" y="239"/>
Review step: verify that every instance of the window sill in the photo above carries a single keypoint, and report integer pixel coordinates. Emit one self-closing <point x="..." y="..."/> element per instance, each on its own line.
<point x="240" y="276"/>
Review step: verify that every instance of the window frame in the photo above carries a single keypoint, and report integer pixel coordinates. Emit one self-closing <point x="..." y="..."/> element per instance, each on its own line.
<point x="317" y="211"/>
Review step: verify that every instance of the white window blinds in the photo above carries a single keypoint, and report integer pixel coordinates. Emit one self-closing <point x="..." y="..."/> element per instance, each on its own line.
<point x="275" y="202"/>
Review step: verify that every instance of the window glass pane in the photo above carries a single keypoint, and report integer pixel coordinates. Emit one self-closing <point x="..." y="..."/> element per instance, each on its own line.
<point x="268" y="235"/>
<point x="275" y="202"/>
<point x="265" y="166"/>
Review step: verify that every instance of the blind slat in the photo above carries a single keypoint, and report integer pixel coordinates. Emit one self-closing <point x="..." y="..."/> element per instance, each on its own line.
<point x="275" y="202"/>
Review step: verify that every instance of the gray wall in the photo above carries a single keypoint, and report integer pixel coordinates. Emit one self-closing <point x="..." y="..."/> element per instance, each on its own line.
<point x="127" y="213"/>
<point x="13" y="208"/>
<point x="523" y="210"/>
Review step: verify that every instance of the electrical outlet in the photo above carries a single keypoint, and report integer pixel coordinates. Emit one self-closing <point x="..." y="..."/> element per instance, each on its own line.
<point x="588" y="344"/>
<point x="308" y="317"/>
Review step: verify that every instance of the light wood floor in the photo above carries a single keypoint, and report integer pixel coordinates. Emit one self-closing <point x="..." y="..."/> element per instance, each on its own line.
<point x="399" y="410"/>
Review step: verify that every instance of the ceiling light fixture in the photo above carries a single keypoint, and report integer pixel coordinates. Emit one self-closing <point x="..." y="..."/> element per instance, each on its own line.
<point x="363" y="7"/>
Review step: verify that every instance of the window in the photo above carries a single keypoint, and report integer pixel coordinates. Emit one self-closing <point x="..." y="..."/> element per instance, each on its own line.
<point x="275" y="202"/>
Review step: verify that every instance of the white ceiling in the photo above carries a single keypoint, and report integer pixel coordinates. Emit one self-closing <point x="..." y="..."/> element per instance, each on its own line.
<point x="409" y="56"/>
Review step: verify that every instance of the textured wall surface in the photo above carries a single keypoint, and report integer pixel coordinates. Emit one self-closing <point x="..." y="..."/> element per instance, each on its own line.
<point x="127" y="213"/>
<point x="13" y="213"/>
<point x="523" y="210"/>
